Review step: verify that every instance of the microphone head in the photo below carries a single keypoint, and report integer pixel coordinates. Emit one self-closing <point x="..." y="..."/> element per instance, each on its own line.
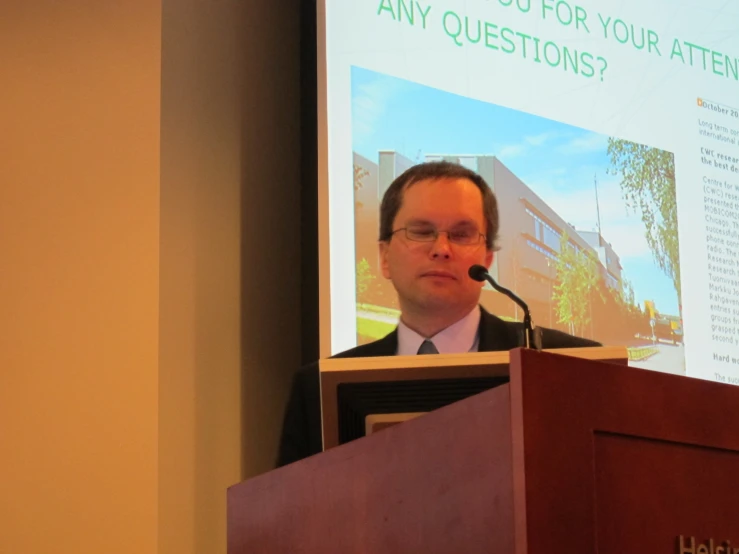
<point x="478" y="272"/>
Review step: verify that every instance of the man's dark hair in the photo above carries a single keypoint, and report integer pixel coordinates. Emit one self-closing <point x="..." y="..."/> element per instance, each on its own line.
<point x="392" y="200"/>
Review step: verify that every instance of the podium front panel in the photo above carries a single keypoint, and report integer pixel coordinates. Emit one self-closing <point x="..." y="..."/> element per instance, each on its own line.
<point x="616" y="459"/>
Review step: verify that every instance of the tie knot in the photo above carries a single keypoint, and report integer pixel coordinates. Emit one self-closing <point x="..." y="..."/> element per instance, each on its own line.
<point x="427" y="347"/>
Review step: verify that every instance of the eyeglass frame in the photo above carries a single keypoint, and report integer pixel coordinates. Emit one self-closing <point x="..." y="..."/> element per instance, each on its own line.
<point x="436" y="233"/>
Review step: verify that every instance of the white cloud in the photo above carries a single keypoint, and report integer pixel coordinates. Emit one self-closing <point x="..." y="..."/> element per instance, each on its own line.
<point x="369" y="104"/>
<point x="540" y="139"/>
<point x="510" y="151"/>
<point x="584" y="144"/>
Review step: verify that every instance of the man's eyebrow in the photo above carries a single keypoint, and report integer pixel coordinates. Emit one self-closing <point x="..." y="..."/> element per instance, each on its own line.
<point x="465" y="224"/>
<point x="415" y="221"/>
<point x="461" y="223"/>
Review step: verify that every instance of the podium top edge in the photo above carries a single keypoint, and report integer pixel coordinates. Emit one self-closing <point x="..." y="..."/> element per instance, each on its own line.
<point x="329" y="365"/>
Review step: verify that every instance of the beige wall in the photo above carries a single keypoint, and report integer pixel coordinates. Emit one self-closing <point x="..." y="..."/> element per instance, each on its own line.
<point x="142" y="369"/>
<point x="79" y="282"/>
<point x="230" y="219"/>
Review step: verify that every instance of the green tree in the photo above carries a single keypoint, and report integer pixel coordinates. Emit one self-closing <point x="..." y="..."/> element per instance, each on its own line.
<point x="359" y="174"/>
<point x="364" y="280"/>
<point x="648" y="185"/>
<point x="577" y="278"/>
<point x="628" y="297"/>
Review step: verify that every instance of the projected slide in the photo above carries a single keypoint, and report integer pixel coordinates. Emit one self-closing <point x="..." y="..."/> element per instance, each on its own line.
<point x="608" y="132"/>
<point x="556" y="185"/>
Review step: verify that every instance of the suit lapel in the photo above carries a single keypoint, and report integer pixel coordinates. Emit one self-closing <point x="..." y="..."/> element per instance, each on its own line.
<point x="388" y="345"/>
<point x="496" y="334"/>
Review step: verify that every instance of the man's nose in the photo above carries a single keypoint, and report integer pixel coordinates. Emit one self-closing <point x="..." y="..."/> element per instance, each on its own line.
<point x="441" y="247"/>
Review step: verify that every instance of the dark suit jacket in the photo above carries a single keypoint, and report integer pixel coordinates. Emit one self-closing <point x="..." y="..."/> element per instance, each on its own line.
<point x="301" y="431"/>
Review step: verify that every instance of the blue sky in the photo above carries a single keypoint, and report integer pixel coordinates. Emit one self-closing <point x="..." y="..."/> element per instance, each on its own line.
<point x="557" y="161"/>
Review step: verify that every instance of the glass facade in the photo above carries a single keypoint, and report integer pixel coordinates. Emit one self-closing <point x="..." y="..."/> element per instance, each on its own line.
<point x="544" y="232"/>
<point x="538" y="248"/>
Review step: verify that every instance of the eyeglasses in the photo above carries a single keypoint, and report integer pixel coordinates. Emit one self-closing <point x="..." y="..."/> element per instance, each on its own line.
<point x="461" y="237"/>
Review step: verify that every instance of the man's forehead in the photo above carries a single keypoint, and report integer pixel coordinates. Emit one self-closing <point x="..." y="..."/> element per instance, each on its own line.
<point x="441" y="181"/>
<point x="464" y="198"/>
<point x="458" y="221"/>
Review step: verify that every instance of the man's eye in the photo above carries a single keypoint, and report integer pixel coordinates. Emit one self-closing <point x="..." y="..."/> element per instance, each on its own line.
<point x="461" y="234"/>
<point x="422" y="233"/>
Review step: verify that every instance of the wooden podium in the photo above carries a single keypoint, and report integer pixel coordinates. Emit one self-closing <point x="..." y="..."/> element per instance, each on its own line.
<point x="572" y="456"/>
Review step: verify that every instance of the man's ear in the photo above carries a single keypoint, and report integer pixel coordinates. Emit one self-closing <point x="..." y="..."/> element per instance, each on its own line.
<point x="489" y="255"/>
<point x="384" y="266"/>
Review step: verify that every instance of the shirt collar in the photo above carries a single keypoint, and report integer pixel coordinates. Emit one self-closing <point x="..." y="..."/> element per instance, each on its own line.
<point x="461" y="336"/>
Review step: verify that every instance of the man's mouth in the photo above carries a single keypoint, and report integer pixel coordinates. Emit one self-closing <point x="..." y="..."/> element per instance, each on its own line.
<point x="441" y="274"/>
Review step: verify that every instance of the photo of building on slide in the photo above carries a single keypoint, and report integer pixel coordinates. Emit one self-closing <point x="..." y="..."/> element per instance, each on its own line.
<point x="588" y="224"/>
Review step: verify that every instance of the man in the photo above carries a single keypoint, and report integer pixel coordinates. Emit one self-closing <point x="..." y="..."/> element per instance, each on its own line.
<point x="436" y="220"/>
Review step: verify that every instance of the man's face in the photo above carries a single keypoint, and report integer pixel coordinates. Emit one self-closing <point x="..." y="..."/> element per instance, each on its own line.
<point x="432" y="276"/>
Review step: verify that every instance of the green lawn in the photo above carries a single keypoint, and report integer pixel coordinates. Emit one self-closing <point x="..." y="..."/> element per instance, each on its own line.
<point x="637" y="353"/>
<point x="378" y="310"/>
<point x="373" y="329"/>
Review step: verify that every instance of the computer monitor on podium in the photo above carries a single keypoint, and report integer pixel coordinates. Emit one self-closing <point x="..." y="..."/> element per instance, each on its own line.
<point x="360" y="396"/>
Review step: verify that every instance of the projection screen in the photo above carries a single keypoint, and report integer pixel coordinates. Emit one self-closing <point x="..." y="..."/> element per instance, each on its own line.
<point x="608" y="131"/>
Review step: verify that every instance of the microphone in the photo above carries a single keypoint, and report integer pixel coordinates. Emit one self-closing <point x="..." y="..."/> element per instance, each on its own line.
<point x="531" y="340"/>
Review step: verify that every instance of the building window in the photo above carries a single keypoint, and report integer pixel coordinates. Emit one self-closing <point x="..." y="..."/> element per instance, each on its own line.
<point x="541" y="250"/>
<point x="544" y="232"/>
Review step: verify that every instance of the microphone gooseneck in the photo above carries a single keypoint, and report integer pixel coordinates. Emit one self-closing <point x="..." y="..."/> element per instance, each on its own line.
<point x="479" y="273"/>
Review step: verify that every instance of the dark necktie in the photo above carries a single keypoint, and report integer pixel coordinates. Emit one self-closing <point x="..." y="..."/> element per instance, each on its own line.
<point x="427" y="347"/>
